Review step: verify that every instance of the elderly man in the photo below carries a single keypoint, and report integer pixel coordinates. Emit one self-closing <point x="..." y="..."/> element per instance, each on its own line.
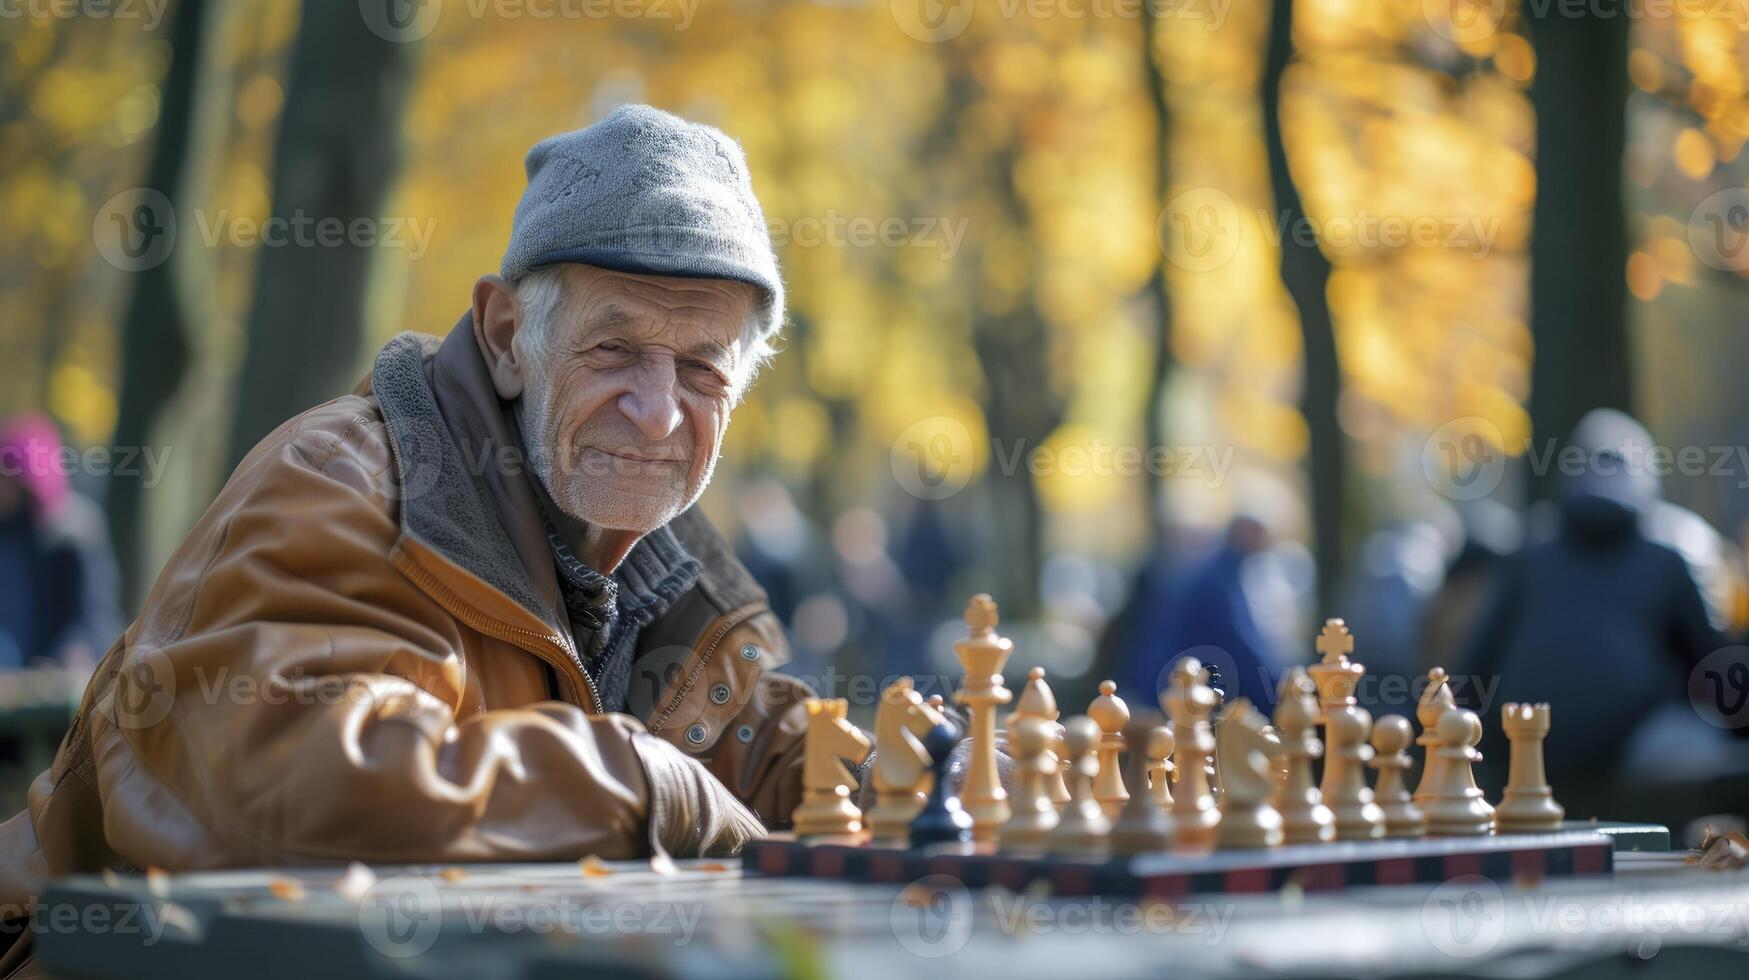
<point x="468" y="611"/>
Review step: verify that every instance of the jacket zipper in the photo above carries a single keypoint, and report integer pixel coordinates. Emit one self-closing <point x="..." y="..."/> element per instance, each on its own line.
<point x="541" y="645"/>
<point x="729" y="622"/>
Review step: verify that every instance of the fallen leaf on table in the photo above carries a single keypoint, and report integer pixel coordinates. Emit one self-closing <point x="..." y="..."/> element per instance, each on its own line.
<point x="1721" y="852"/>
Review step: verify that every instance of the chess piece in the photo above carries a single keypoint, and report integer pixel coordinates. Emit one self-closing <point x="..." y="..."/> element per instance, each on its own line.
<point x="826" y="810"/>
<point x="1109" y="712"/>
<point x="1335" y="676"/>
<point x="1346" y="753"/>
<point x="1390" y="737"/>
<point x="1036" y="700"/>
<point x="1346" y="727"/>
<point x="1189" y="702"/>
<point x="1248" y="749"/>
<point x="1305" y="819"/>
<point x="983" y="653"/>
<point x="1143" y="825"/>
<point x="1160" y="769"/>
<point x="1082" y="829"/>
<point x="1030" y="738"/>
<point x="1528" y="804"/>
<point x="901" y="767"/>
<point x="1436" y="700"/>
<point x="943" y="820"/>
<point x="1455" y="807"/>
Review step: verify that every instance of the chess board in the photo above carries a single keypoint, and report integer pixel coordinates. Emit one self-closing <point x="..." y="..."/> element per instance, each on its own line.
<point x="714" y="919"/>
<point x="1505" y="858"/>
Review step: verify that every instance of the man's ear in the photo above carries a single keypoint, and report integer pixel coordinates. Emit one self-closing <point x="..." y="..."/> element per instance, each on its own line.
<point x="497" y="320"/>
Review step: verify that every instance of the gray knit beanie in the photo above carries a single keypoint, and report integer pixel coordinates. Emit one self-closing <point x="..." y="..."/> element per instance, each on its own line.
<point x="646" y="191"/>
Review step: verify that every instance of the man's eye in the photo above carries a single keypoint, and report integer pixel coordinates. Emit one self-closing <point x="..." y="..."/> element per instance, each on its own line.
<point x="704" y="374"/>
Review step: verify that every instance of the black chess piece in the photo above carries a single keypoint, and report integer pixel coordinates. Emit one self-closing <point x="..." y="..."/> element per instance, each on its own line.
<point x="1216" y="681"/>
<point x="942" y="821"/>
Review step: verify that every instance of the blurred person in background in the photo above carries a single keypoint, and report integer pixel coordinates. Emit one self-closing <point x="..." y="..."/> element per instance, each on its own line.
<point x="1594" y="615"/>
<point x="1487" y="532"/>
<point x="57" y="575"/>
<point x="1233" y="608"/>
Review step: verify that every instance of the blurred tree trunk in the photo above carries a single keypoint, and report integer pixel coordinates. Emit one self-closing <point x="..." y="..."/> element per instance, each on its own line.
<point x="1021" y="405"/>
<point x="155" y="331"/>
<point x="1305" y="271"/>
<point x="1159" y="294"/>
<point x="337" y="157"/>
<point x="1578" y="251"/>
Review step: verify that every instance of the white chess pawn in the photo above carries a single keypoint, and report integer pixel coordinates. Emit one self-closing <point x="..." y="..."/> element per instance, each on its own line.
<point x="1455" y="807"/>
<point x="1190" y="702"/>
<point x="1109" y="712"/>
<point x="1030" y="738"/>
<point x="1390" y="736"/>
<point x="1344" y="788"/>
<point x="1082" y="830"/>
<point x="1305" y="818"/>
<point x="1144" y="825"/>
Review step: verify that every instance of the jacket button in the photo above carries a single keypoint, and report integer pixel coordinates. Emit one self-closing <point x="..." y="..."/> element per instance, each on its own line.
<point x="744" y="733"/>
<point x="749" y="652"/>
<point x="719" y="694"/>
<point x="696" y="734"/>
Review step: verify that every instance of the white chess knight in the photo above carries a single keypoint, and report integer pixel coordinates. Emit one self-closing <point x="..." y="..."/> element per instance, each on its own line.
<point x="1249" y="750"/>
<point x="901" y="767"/>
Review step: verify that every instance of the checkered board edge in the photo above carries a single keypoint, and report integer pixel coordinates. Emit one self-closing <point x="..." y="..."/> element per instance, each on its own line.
<point x="1312" y="867"/>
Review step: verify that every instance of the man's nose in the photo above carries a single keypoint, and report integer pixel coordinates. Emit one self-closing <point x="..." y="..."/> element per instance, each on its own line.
<point x="651" y="401"/>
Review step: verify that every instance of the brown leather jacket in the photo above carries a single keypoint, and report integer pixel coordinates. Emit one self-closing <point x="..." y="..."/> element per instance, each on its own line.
<point x="356" y="654"/>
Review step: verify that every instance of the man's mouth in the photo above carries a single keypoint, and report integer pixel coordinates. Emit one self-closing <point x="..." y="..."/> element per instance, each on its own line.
<point x="637" y="458"/>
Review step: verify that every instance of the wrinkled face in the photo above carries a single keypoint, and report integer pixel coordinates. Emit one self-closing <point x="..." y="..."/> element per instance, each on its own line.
<point x="627" y="392"/>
